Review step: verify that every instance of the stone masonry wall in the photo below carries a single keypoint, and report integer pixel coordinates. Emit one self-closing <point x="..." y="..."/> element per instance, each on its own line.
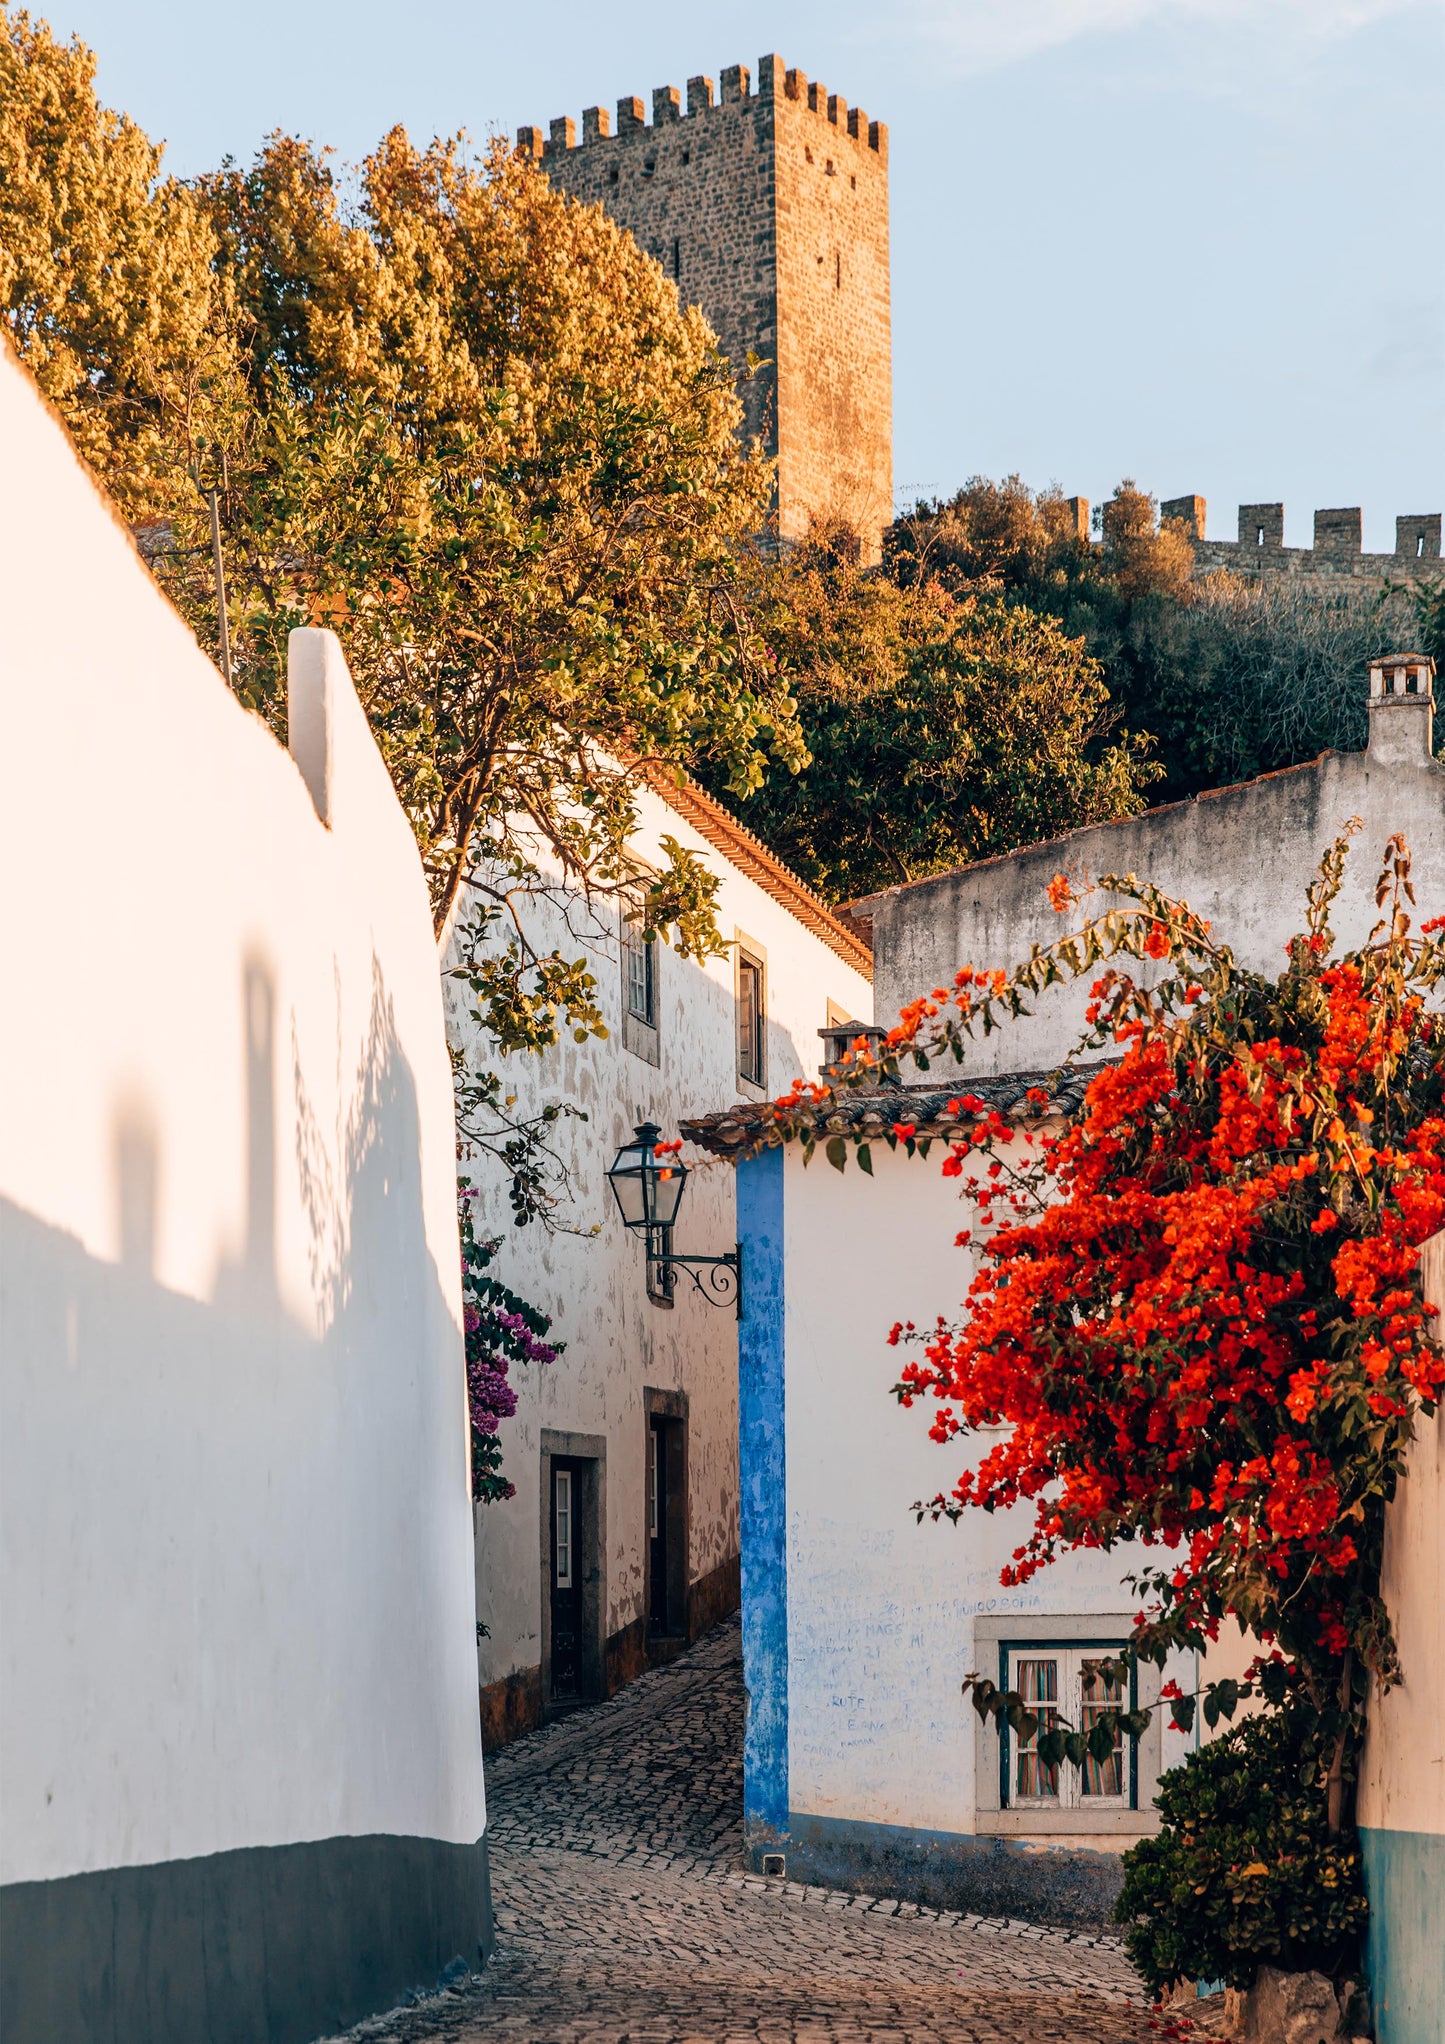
<point x="769" y="210"/>
<point x="1260" y="551"/>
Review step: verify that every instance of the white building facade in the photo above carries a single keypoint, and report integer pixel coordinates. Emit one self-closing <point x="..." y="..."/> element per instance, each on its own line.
<point x="620" y="1542"/>
<point x="241" y="1772"/>
<point x="865" y="1765"/>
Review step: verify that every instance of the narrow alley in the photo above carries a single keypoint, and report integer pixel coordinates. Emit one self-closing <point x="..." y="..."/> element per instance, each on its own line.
<point x="624" y="1912"/>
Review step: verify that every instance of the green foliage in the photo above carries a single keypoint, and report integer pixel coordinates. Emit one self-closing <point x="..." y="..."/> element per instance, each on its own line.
<point x="1229" y="677"/>
<point x="464" y="422"/>
<point x="941" y="728"/>
<point x="448" y="412"/>
<point x="486" y="444"/>
<point x="1429" y="634"/>
<point x="1244" y="1870"/>
<point x="1060" y="1741"/>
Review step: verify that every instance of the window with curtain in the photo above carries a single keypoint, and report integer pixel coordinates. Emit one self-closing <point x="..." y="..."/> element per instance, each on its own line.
<point x="1072" y="1683"/>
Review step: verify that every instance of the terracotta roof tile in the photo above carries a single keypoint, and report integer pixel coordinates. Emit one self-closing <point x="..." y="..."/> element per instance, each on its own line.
<point x="750" y="855"/>
<point x="737" y="1131"/>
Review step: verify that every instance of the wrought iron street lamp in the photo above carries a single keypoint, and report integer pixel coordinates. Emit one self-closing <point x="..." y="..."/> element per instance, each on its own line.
<point x="647" y="1180"/>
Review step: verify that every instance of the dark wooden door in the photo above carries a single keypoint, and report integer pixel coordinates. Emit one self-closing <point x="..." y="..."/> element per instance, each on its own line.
<point x="566" y="1522"/>
<point x="657" y="1525"/>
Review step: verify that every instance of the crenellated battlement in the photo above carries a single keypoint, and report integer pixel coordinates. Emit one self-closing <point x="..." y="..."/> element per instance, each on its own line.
<point x="766" y="204"/>
<point x="775" y="81"/>
<point x="1259" y="548"/>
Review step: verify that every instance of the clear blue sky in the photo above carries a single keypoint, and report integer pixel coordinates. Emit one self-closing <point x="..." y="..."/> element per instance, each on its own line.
<point x="1194" y="241"/>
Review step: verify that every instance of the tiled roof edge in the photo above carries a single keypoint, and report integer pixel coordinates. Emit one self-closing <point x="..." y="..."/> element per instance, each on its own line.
<point x="735" y="1131"/>
<point x="750" y="855"/>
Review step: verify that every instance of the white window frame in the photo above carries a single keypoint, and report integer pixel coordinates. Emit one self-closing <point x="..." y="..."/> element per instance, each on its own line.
<point x="1000" y="1639"/>
<point x="563" y="1533"/>
<point x="639" y="964"/>
<point x="1070" y="1791"/>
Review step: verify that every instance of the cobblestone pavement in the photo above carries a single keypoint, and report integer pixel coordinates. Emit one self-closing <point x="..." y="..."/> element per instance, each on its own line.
<point x="625" y="1914"/>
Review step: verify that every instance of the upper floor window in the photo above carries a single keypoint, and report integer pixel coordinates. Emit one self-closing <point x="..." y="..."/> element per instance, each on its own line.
<point x="640" y="991"/>
<point x="751" y="1019"/>
<point x="639" y="973"/>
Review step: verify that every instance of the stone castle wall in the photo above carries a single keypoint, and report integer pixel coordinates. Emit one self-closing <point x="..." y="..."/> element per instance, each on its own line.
<point x="769" y="210"/>
<point x="1260" y="551"/>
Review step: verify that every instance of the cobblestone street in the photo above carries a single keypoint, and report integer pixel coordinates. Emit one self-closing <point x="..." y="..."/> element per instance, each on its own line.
<point x="623" y="1910"/>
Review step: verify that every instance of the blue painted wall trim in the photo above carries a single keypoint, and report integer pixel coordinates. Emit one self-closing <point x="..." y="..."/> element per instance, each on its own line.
<point x="763" y="1474"/>
<point x="1405" y="1953"/>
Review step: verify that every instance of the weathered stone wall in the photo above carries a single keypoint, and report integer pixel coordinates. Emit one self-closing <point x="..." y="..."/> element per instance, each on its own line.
<point x="769" y="210"/>
<point x="1260" y="551"/>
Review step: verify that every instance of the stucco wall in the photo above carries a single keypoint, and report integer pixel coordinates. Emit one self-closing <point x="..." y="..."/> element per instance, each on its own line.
<point x="882" y="1614"/>
<point x="1402" y="1778"/>
<point x="1241" y="856"/>
<point x="619" y="1343"/>
<point x="237" y="1663"/>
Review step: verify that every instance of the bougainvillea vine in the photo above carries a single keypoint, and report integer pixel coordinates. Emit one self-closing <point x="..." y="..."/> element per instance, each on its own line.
<point x="500" y="1329"/>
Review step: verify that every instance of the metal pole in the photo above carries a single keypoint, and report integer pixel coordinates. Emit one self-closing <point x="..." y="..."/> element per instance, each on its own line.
<point x="220" y="585"/>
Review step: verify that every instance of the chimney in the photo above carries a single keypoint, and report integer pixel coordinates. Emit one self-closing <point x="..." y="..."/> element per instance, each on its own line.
<point x="1402" y="709"/>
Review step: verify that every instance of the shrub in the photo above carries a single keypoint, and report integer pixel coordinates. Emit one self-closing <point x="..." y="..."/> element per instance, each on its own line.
<point x="1244" y="1870"/>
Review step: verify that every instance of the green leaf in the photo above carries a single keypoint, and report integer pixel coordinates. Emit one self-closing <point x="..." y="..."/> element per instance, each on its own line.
<point x="837" y="1152"/>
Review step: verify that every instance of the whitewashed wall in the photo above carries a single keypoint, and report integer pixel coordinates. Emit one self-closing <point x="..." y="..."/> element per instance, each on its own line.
<point x="237" y="1597"/>
<point x="881" y="1610"/>
<point x="1402" y="1779"/>
<point x="593" y="1286"/>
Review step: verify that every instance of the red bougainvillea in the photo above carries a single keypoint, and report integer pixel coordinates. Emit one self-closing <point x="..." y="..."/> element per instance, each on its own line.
<point x="1197" y="1309"/>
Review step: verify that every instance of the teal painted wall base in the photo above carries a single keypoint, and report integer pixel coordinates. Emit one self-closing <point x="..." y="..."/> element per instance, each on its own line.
<point x="1405" y="1954"/>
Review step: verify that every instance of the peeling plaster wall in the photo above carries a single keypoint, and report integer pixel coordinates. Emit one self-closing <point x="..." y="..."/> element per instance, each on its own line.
<point x="618" y="1342"/>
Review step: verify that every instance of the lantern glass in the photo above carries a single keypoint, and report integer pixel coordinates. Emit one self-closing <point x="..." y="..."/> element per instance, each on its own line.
<point x="647" y="1188"/>
<point x="629" y="1187"/>
<point x="668" y="1178"/>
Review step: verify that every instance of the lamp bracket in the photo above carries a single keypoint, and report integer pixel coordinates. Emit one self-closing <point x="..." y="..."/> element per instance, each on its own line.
<point x="718" y="1279"/>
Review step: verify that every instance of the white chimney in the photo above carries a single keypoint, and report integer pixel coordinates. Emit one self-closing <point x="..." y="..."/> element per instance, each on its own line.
<point x="1402" y="708"/>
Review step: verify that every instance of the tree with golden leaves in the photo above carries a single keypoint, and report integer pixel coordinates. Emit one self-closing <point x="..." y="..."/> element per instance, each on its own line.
<point x="447" y="411"/>
<point x="465" y="422"/>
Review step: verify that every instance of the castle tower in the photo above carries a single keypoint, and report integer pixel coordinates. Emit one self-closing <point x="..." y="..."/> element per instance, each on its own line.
<point x="769" y="210"/>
